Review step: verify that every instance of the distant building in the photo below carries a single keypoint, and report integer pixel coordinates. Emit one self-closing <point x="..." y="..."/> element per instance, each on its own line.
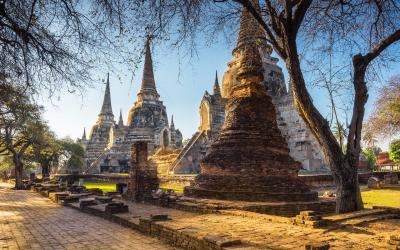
<point x="384" y="163"/>
<point x="109" y="143"/>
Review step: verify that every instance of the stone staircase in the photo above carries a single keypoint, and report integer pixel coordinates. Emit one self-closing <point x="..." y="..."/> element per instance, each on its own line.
<point x="196" y="136"/>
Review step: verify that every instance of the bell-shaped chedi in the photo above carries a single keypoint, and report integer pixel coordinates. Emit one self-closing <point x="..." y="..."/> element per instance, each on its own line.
<point x="250" y="160"/>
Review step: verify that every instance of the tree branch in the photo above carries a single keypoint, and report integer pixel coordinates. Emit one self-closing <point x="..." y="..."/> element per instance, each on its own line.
<point x="381" y="46"/>
<point x="300" y="13"/>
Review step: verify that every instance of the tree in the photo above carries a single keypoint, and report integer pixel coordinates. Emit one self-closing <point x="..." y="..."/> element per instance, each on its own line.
<point x="6" y="166"/>
<point x="385" y="118"/>
<point x="20" y="127"/>
<point x="46" y="151"/>
<point x="394" y="150"/>
<point x="51" y="45"/>
<point x="73" y="154"/>
<point x="365" y="31"/>
<point x="371" y="154"/>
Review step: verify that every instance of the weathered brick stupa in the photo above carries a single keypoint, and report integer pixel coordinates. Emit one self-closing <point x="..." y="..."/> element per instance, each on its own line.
<point x="250" y="159"/>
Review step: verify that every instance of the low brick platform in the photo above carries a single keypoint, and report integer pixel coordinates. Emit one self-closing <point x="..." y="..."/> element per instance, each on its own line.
<point x="238" y="229"/>
<point x="289" y="209"/>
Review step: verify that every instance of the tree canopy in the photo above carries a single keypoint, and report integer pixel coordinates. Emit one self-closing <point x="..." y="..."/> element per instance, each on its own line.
<point x="385" y="118"/>
<point x="394" y="150"/>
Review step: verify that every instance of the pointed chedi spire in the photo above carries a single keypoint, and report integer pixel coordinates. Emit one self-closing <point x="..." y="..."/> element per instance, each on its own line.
<point x="250" y="30"/>
<point x="172" y="125"/>
<point x="84" y="134"/>
<point x="148" y="89"/>
<point x="216" y="88"/>
<point x="106" y="109"/>
<point x="251" y="38"/>
<point x="120" y="120"/>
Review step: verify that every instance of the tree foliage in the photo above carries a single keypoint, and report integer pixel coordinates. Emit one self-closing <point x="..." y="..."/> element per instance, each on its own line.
<point x="46" y="152"/>
<point x="385" y="118"/>
<point x="73" y="154"/>
<point x="20" y="127"/>
<point x="52" y="45"/>
<point x="371" y="154"/>
<point x="394" y="150"/>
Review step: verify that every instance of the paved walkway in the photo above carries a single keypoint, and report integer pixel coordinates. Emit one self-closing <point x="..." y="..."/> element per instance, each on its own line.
<point x="29" y="221"/>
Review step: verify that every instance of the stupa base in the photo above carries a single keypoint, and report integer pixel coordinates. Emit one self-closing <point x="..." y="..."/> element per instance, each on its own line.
<point x="237" y="195"/>
<point x="286" y="209"/>
<point x="250" y="188"/>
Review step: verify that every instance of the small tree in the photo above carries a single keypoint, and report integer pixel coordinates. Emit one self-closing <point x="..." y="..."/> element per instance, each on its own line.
<point x="370" y="155"/>
<point x="73" y="154"/>
<point x="20" y="127"/>
<point x="46" y="151"/>
<point x="394" y="150"/>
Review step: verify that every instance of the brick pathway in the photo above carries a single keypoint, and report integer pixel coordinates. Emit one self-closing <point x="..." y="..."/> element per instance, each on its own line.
<point x="29" y="221"/>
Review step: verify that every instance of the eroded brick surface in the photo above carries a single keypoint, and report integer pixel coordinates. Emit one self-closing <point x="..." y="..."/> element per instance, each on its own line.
<point x="29" y="221"/>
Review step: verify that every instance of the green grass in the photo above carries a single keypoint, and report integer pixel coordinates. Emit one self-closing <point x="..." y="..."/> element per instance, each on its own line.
<point x="178" y="189"/>
<point x="105" y="186"/>
<point x="381" y="197"/>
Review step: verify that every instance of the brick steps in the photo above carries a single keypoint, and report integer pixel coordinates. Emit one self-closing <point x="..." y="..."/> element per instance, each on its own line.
<point x="337" y="218"/>
<point x="371" y="218"/>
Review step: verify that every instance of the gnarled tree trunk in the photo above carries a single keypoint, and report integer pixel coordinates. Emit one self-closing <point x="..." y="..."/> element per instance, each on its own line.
<point x="19" y="167"/>
<point x="343" y="167"/>
<point x="348" y="195"/>
<point x="45" y="170"/>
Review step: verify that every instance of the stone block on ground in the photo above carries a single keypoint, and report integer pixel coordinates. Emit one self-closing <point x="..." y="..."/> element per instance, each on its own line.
<point x="68" y="199"/>
<point x="84" y="202"/>
<point x="95" y="191"/>
<point x="317" y="246"/>
<point x="116" y="207"/>
<point x="103" y="199"/>
<point x="374" y="183"/>
<point x="159" y="217"/>
<point x="55" y="196"/>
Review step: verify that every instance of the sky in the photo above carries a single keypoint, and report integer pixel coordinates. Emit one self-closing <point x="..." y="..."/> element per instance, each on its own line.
<point x="181" y="83"/>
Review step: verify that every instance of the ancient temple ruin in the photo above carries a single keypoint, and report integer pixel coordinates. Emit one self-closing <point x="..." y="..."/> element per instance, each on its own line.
<point x="109" y="143"/>
<point x="302" y="143"/>
<point x="249" y="160"/>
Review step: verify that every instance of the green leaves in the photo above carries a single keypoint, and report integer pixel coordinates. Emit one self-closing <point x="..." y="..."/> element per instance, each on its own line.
<point x="394" y="150"/>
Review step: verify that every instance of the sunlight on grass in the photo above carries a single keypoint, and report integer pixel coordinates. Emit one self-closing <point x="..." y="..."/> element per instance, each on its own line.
<point x="178" y="189"/>
<point x="105" y="186"/>
<point x="381" y="197"/>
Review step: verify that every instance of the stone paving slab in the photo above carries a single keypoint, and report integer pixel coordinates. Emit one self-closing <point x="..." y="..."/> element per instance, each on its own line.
<point x="29" y="221"/>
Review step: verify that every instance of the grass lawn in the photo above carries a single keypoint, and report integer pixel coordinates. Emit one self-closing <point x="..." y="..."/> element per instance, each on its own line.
<point x="377" y="197"/>
<point x="105" y="186"/>
<point x="178" y="189"/>
<point x="381" y="197"/>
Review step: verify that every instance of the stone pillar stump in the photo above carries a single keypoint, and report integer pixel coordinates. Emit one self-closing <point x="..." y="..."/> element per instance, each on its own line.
<point x="142" y="175"/>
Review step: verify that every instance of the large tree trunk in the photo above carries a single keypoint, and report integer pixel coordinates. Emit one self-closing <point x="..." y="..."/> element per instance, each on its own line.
<point x="343" y="167"/>
<point x="45" y="170"/>
<point x="19" y="167"/>
<point x="348" y="195"/>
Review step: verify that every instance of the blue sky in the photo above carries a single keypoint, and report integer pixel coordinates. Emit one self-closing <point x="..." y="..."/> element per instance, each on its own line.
<point x="181" y="83"/>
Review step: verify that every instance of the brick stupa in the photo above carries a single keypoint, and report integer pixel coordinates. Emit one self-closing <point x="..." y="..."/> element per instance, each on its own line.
<point x="249" y="161"/>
